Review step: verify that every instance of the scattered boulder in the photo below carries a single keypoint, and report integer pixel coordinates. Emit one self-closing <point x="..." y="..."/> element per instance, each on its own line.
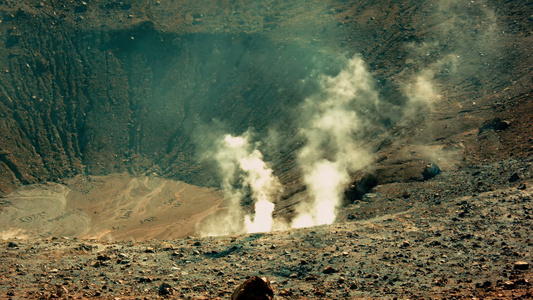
<point x="103" y="257"/>
<point x="509" y="285"/>
<point x="521" y="265"/>
<point x="360" y="186"/>
<point x="255" y="288"/>
<point x="144" y="279"/>
<point x="431" y="170"/>
<point x="405" y="244"/>
<point x="12" y="245"/>
<point x="165" y="289"/>
<point x="514" y="178"/>
<point x="329" y="270"/>
<point x="351" y="217"/>
<point x="495" y="124"/>
<point x="85" y="247"/>
<point x="484" y="285"/>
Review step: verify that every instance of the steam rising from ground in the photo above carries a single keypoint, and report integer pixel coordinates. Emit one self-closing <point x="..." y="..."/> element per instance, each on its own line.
<point x="243" y="172"/>
<point x="331" y="124"/>
<point x="462" y="47"/>
<point x="336" y="123"/>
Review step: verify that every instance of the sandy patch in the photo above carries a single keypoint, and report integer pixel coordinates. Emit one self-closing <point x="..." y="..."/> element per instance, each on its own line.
<point x="114" y="207"/>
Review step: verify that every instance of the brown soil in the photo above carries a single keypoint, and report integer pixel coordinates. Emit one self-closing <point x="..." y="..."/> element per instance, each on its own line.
<point x="439" y="248"/>
<point x="116" y="207"/>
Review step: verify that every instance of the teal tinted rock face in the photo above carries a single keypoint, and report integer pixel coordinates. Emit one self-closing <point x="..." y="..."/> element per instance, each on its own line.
<point x="109" y="87"/>
<point x="133" y="99"/>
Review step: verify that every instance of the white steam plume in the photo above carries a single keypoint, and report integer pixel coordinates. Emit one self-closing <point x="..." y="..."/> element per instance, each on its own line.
<point x="464" y="43"/>
<point x="241" y="168"/>
<point x="335" y="122"/>
<point x="422" y="89"/>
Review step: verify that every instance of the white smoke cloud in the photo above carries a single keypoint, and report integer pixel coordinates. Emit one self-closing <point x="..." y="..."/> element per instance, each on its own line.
<point x="336" y="122"/>
<point x="265" y="187"/>
<point x="422" y="88"/>
<point x="333" y="124"/>
<point x="463" y="44"/>
<point x="242" y="168"/>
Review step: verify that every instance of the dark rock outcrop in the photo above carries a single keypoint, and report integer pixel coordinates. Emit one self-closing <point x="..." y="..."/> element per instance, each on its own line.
<point x="255" y="288"/>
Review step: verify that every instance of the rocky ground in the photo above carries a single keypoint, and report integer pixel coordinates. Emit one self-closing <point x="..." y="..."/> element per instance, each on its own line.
<point x="437" y="239"/>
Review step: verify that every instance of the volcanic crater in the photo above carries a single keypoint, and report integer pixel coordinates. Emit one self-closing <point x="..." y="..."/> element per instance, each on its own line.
<point x="137" y="139"/>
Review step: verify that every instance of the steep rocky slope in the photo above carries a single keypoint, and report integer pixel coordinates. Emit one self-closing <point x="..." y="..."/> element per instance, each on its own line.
<point x="114" y="86"/>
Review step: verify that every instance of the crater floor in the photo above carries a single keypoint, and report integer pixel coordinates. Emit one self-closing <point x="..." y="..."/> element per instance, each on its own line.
<point x="443" y="247"/>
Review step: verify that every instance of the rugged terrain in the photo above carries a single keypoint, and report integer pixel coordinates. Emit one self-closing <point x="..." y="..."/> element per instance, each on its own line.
<point x="431" y="245"/>
<point x="108" y="108"/>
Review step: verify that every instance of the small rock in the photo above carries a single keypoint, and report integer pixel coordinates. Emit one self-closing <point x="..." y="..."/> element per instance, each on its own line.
<point x="255" y="288"/>
<point x="521" y="265"/>
<point x="495" y="124"/>
<point x="405" y="244"/>
<point x="310" y="278"/>
<point x="329" y="270"/>
<point x="103" y="257"/>
<point x="484" y="285"/>
<point x="360" y="186"/>
<point x="508" y="285"/>
<point x="144" y="280"/>
<point x="99" y="264"/>
<point x="165" y="289"/>
<point x="167" y="247"/>
<point x="85" y="247"/>
<point x="435" y="243"/>
<point x="522" y="187"/>
<point x="515" y="177"/>
<point x="12" y="245"/>
<point x="430" y="171"/>
<point x="149" y="250"/>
